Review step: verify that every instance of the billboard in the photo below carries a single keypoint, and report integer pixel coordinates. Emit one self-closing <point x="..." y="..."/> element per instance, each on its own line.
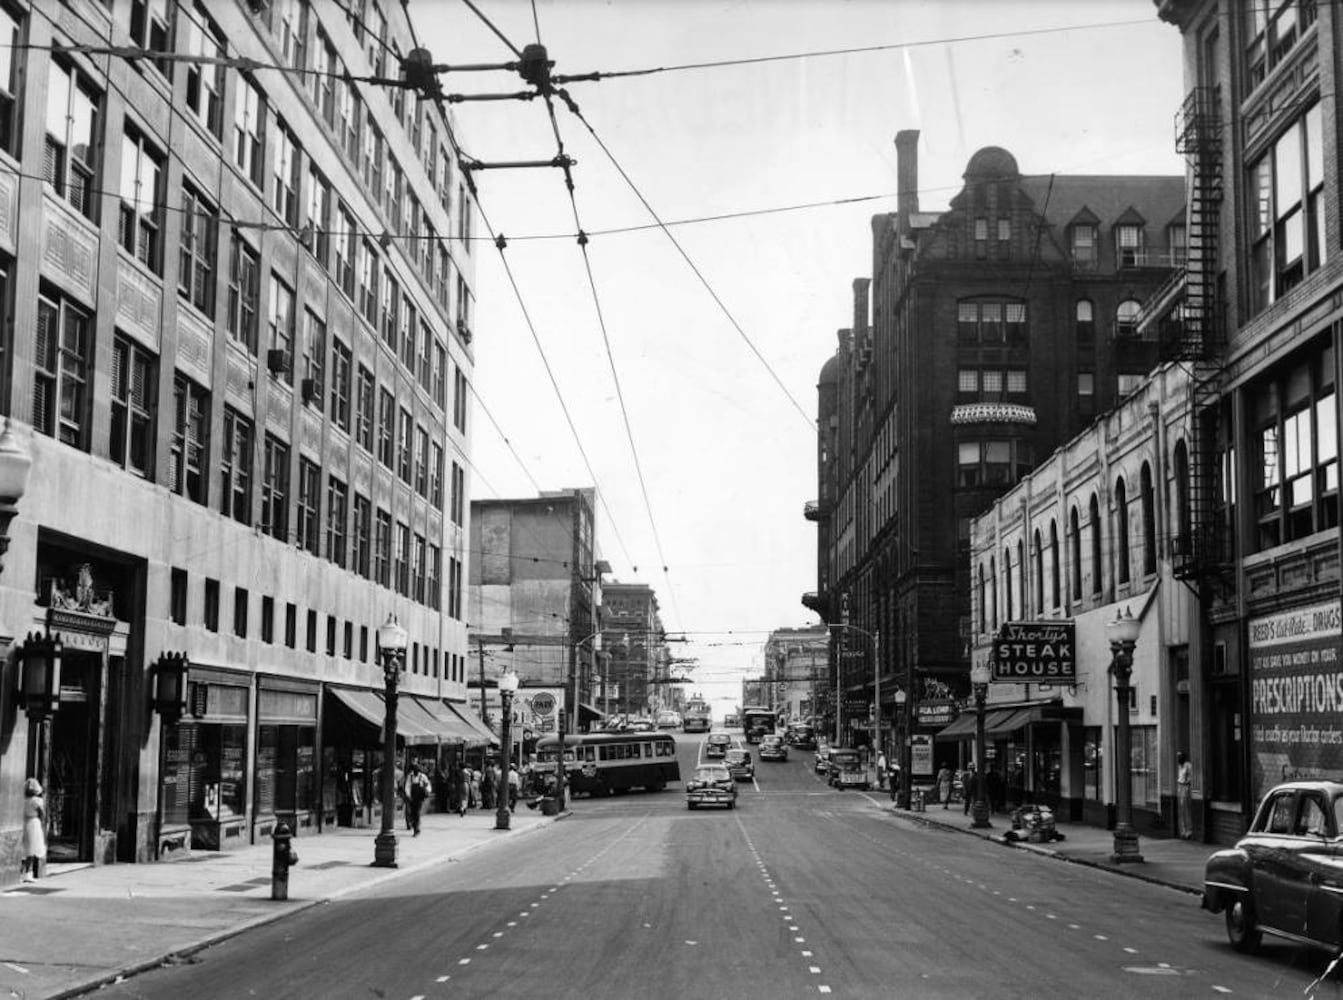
<point x="1036" y="652"/>
<point x="533" y="708"/>
<point x="1296" y="694"/>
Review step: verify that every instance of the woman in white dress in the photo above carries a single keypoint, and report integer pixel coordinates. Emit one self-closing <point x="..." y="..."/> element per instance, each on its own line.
<point x="34" y="834"/>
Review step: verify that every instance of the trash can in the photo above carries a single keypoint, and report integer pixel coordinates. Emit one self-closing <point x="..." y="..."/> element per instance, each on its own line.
<point x="916" y="800"/>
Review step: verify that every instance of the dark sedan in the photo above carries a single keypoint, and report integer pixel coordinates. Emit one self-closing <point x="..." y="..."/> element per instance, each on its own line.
<point x="1283" y="877"/>
<point x="739" y="764"/>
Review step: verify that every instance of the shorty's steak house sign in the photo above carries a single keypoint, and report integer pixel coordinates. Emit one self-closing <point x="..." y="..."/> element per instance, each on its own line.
<point x="1036" y="652"/>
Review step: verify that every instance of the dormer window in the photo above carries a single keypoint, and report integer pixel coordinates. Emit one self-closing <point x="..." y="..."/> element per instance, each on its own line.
<point x="1128" y="245"/>
<point x="1084" y="244"/>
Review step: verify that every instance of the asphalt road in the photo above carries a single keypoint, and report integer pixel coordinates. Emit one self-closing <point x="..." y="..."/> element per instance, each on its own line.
<point x="800" y="891"/>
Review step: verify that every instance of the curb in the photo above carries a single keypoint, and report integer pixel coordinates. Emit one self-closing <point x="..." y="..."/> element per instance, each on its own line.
<point x="1048" y="852"/>
<point x="295" y="906"/>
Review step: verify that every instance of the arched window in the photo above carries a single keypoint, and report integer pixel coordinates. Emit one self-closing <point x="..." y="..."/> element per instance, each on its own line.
<point x="1148" y="500"/>
<point x="1054" y="575"/>
<point x="1086" y="322"/>
<point x="1021" y="576"/>
<point x="1039" y="572"/>
<point x="993" y="593"/>
<point x="1097" y="572"/>
<point x="1121" y="532"/>
<point x="1007" y="584"/>
<point x="1180" y="462"/>
<point x="1075" y="526"/>
<point x="1126" y="318"/>
<point x="983" y="607"/>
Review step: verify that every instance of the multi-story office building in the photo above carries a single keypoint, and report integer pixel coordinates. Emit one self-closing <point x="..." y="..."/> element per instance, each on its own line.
<point x="797" y="672"/>
<point x="236" y="281"/>
<point x="640" y="663"/>
<point x="1259" y="315"/>
<point x="988" y="334"/>
<point x="535" y="594"/>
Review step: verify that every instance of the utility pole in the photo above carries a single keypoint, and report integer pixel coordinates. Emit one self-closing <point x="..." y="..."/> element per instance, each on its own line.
<point x="484" y="708"/>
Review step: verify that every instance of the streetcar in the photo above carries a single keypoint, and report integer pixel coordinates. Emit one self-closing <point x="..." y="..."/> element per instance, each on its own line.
<point x="757" y="721"/>
<point x="605" y="763"/>
<point x="697" y="717"/>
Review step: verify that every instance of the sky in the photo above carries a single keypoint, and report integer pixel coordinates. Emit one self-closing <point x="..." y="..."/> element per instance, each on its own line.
<point x="675" y="369"/>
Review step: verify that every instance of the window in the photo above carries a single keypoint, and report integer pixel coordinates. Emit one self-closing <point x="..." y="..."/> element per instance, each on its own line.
<point x="290" y="625"/>
<point x="340" y="385"/>
<point x="376" y="42"/>
<point x="1086" y="323"/>
<point x="291" y="27"/>
<point x="1272" y="29"/>
<point x="406" y="334"/>
<point x="1086" y="393"/>
<point x="336" y="498"/>
<point x="282" y="326"/>
<point x="373" y="158"/>
<point x="1286" y="213"/>
<point x="211" y="605"/>
<point x="439" y="376"/>
<point x="177" y="598"/>
<point x="991" y="463"/>
<point x="349" y="112"/>
<point x="434" y="583"/>
<point x="424" y="363"/>
<point x="1007" y="585"/>
<point x="268" y="620"/>
<point x="393" y="185"/>
<point x="1126" y="319"/>
<point x="1097" y="570"/>
<point x="1177" y="238"/>
<point x="309" y="500"/>
<point x="459" y="400"/>
<point x="458" y="510"/>
<point x="1129" y="245"/>
<point x="417" y="569"/>
<point x="318" y="232"/>
<point x="287" y="162"/>
<point x="1055" y="570"/>
<point x="444" y="179"/>
<point x="368" y="282"/>
<point x="1039" y="573"/>
<point x="382" y="548"/>
<point x="324" y="77"/>
<point x="196" y="252"/>
<point x="386" y="427"/>
<point x="463" y="310"/>
<point x="454" y="587"/>
<point x="991" y="322"/>
<point x="1130" y="383"/>
<point x="390" y="299"/>
<point x="74" y="134"/>
<point x="1147" y="501"/>
<point x="205" y="80"/>
<point x="361" y="536"/>
<point x="1295" y="471"/>
<point x="422" y="461"/>
<point x="275" y="489"/>
<point x="11" y="68"/>
<point x="311" y="631"/>
<point x="348" y="644"/>
<point x="314" y="351"/>
<point x="1075" y="536"/>
<point x="191" y="409"/>
<point x="240" y="612"/>
<point x="235" y="467"/>
<point x="249" y="131"/>
<point x="62" y="352"/>
<point x="141" y="218"/>
<point x="981" y="238"/>
<point x="992" y="382"/>
<point x="403" y="465"/>
<point x="436" y="477"/>
<point x="1085" y="240"/>
<point x="402" y="558"/>
<point x="346" y="248"/>
<point x="134" y="401"/>
<point x="363" y="409"/>
<point x="1121" y="532"/>
<point x="244" y="288"/>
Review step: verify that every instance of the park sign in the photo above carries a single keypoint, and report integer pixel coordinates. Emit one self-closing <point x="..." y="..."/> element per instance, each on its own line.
<point x="1043" y="652"/>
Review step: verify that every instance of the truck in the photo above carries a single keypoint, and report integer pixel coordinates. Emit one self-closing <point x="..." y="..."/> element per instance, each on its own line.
<point x="757" y="721"/>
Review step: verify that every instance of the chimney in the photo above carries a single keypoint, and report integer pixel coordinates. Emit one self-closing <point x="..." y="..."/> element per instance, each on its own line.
<point x="907" y="174"/>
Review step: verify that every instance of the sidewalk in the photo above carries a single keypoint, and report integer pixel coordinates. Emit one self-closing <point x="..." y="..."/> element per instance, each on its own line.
<point x="1166" y="861"/>
<point x="77" y="929"/>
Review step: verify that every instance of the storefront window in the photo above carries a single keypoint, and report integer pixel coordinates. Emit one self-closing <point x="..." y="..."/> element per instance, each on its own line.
<point x="1093" y="761"/>
<point x="1046" y="761"/>
<point x="1143" y="767"/>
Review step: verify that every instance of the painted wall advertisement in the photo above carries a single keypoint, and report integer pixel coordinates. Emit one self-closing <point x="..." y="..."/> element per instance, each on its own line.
<point x="1296" y="687"/>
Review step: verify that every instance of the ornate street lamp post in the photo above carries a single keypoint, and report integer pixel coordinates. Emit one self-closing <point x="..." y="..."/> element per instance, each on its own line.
<point x="1123" y="634"/>
<point x="392" y="648"/>
<point x="508" y="686"/>
<point x="980" y="675"/>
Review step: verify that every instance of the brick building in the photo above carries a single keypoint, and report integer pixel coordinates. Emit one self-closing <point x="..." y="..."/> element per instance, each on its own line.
<point x="237" y="328"/>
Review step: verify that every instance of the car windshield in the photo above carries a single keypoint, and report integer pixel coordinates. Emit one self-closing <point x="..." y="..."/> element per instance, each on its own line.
<point x="843" y="757"/>
<point x="737" y="755"/>
<point x="710" y="773"/>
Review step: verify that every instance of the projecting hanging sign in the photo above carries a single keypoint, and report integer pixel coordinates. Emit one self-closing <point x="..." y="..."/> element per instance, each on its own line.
<point x="1035" y="652"/>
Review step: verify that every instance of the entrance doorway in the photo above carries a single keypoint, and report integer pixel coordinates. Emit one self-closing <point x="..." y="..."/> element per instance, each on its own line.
<point x="71" y="780"/>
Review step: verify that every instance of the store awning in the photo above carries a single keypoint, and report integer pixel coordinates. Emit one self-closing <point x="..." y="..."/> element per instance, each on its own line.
<point x="411" y="726"/>
<point x="472" y="722"/>
<point x="586" y="713"/>
<point x="451" y="728"/>
<point x="995" y="721"/>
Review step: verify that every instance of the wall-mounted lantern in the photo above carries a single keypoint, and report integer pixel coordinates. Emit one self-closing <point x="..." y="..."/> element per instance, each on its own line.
<point x="15" y="464"/>
<point x="170" y="685"/>
<point x="40" y="675"/>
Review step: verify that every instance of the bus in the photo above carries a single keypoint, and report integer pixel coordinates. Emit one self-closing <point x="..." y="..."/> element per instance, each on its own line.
<point x="605" y="763"/>
<point x="697" y="718"/>
<point x="757" y="721"/>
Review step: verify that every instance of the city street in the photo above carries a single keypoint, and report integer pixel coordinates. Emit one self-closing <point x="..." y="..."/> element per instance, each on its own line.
<point x="801" y="890"/>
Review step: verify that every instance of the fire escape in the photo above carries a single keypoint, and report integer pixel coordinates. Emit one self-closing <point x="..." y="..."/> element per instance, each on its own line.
<point x="1201" y="552"/>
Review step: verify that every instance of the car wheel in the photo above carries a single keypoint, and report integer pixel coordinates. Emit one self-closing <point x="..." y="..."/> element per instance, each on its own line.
<point x="1240" y="925"/>
<point x="690" y="805"/>
<point x="732" y="803"/>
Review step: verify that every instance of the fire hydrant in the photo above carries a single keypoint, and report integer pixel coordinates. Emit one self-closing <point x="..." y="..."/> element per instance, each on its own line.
<point x="282" y="856"/>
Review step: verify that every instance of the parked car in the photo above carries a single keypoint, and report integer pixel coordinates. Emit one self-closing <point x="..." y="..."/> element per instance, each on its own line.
<point x="821" y="763"/>
<point x="712" y="784"/>
<point x="1283" y="877"/>
<point x="717" y="744"/>
<point x="773" y="748"/>
<point x="739" y="764"/>
<point x="847" y="771"/>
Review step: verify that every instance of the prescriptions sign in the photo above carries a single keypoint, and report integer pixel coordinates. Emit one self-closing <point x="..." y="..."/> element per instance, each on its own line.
<point x="1036" y="653"/>
<point x="1296" y="693"/>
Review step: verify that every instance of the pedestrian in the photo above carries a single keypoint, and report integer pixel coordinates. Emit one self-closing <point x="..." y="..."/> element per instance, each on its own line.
<point x="417" y="790"/>
<point x="1184" y="781"/>
<point x="944" y="786"/>
<point x="514" y="787"/>
<point x="993" y="790"/>
<point x="34" y="832"/>
<point x="895" y="782"/>
<point x="474" y="797"/>
<point x="881" y="769"/>
<point x="462" y="788"/>
<point x="400" y="779"/>
<point x="967" y="786"/>
<point x="487" y="787"/>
